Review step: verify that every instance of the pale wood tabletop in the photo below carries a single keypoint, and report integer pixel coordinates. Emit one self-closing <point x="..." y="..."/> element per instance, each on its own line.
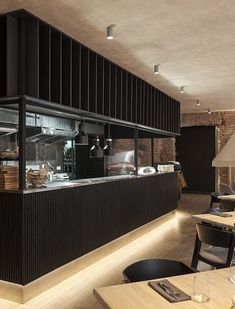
<point x="229" y="197"/>
<point x="140" y="296"/>
<point x="219" y="221"/>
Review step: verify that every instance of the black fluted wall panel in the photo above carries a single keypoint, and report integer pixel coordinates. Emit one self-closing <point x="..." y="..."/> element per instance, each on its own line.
<point x="11" y="237"/>
<point x="42" y="231"/>
<point x="56" y="68"/>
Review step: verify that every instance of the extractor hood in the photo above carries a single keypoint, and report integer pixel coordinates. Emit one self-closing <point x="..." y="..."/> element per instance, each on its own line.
<point x="226" y="156"/>
<point x="47" y="135"/>
<point x="7" y="128"/>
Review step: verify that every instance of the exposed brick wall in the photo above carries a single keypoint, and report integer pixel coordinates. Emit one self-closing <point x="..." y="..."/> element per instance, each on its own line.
<point x="225" y="121"/>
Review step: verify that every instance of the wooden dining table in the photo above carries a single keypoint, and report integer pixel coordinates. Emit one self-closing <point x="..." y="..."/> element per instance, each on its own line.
<point x="227" y="222"/>
<point x="139" y="295"/>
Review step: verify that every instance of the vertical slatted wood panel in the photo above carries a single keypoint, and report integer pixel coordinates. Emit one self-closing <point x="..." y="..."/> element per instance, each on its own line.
<point x="113" y="89"/>
<point x="76" y="81"/>
<point x="56" y="72"/>
<point x="134" y="99"/>
<point x="11" y="237"/>
<point x="92" y="82"/>
<point x="107" y="87"/>
<point x="3" y="53"/>
<point x="66" y="72"/>
<point x="44" y="61"/>
<point x="84" y="77"/>
<point x="124" y="95"/>
<point x="100" y="85"/>
<point x="119" y="93"/>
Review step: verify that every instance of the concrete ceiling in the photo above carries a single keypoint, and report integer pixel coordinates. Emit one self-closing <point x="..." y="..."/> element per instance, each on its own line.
<point x="192" y="40"/>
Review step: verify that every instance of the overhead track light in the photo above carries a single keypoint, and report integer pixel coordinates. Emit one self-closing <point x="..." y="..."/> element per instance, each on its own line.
<point x="156" y="69"/>
<point x="110" y="31"/>
<point x="182" y="89"/>
<point x="209" y="111"/>
<point x="198" y="103"/>
<point x="81" y="137"/>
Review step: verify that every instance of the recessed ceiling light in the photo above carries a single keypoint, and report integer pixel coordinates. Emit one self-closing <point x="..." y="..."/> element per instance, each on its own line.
<point x="156" y="69"/>
<point x="182" y="89"/>
<point x="110" y="32"/>
<point x="209" y="111"/>
<point x="198" y="103"/>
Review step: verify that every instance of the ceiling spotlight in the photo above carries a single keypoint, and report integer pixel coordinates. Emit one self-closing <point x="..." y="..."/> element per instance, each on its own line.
<point x="198" y="103"/>
<point x="182" y="89"/>
<point x="110" y="32"/>
<point x="209" y="111"/>
<point x="156" y="69"/>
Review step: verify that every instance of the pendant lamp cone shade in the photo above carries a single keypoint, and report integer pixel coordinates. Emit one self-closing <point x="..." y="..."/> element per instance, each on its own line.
<point x="96" y="151"/>
<point x="226" y="156"/>
<point x="81" y="138"/>
<point x="107" y="150"/>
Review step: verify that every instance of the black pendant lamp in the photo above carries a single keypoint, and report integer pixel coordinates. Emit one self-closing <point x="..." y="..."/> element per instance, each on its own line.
<point x="81" y="138"/>
<point x="96" y="151"/>
<point x="108" y="150"/>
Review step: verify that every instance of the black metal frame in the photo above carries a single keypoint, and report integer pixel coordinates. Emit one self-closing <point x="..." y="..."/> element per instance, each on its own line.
<point x="70" y="112"/>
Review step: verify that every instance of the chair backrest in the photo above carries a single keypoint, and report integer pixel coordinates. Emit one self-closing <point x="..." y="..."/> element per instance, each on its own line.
<point x="227" y="205"/>
<point x="155" y="268"/>
<point x="214" y="236"/>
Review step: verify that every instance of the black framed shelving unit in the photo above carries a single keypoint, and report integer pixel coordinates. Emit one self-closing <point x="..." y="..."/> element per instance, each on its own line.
<point x="40" y="61"/>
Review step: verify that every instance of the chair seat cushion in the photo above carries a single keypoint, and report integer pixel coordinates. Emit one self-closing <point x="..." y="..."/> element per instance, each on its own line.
<point x="215" y="254"/>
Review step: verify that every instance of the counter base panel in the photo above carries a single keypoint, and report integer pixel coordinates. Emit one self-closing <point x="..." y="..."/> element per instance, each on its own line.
<point x="43" y="231"/>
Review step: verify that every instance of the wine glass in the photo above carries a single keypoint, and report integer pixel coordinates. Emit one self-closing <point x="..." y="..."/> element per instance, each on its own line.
<point x="201" y="287"/>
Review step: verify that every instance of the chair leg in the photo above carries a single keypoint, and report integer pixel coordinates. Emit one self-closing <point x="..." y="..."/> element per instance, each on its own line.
<point x="211" y="203"/>
<point x="196" y="251"/>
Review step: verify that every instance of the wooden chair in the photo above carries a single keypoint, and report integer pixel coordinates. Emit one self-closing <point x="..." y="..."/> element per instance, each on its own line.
<point x="219" y="252"/>
<point x="154" y="269"/>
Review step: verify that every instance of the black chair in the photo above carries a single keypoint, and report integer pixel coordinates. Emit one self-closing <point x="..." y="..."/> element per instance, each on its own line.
<point x="227" y="205"/>
<point x="215" y="198"/>
<point x="154" y="269"/>
<point x="221" y="243"/>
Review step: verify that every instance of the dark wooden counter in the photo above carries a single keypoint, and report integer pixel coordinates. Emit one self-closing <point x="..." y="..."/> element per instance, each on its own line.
<point x="42" y="231"/>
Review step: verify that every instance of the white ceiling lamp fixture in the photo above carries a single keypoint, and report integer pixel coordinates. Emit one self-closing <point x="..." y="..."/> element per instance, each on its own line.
<point x="198" y="103"/>
<point x="110" y="32"/>
<point x="209" y="111"/>
<point x="156" y="69"/>
<point x="182" y="89"/>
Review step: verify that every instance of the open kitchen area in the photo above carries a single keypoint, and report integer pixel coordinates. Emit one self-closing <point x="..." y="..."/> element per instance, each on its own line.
<point x="117" y="142"/>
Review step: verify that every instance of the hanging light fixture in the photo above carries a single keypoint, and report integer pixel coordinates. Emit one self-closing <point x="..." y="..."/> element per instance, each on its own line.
<point x="108" y="150"/>
<point x="209" y="111"/>
<point x="182" y="89"/>
<point x="198" y="103"/>
<point x="96" y="151"/>
<point x="81" y="138"/>
<point x="110" y="32"/>
<point x="156" y="69"/>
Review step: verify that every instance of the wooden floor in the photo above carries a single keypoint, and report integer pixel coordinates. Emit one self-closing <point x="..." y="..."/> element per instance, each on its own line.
<point x="173" y="239"/>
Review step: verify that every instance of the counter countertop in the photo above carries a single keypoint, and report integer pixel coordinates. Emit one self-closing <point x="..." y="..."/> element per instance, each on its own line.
<point x="58" y="185"/>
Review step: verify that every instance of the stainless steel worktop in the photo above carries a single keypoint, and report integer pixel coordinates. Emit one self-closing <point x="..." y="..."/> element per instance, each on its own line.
<point x="57" y="185"/>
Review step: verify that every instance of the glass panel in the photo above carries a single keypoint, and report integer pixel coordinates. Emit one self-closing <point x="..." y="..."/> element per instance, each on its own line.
<point x="49" y="149"/>
<point x="145" y="157"/>
<point x="122" y="162"/>
<point x="9" y="147"/>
